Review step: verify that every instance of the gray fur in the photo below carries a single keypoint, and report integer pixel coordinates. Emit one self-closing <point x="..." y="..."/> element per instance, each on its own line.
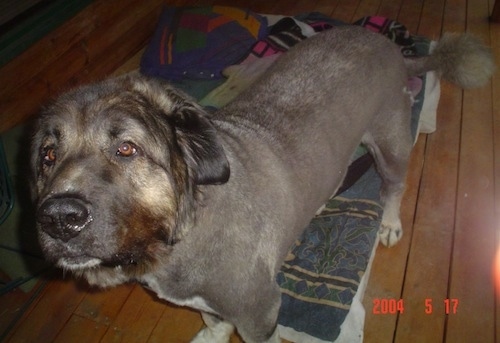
<point x="459" y="58"/>
<point x="214" y="238"/>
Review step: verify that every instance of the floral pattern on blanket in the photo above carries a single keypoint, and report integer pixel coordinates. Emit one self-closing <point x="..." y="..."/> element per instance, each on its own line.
<point x="329" y="259"/>
<point x="323" y="270"/>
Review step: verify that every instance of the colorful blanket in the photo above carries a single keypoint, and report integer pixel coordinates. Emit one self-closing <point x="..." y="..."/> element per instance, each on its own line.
<point x="323" y="270"/>
<point x="198" y="42"/>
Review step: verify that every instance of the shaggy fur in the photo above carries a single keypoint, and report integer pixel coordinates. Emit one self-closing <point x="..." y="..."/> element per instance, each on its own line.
<point x="134" y="181"/>
<point x="459" y="58"/>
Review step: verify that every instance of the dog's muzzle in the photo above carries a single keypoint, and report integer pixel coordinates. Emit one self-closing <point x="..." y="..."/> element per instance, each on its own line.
<point x="64" y="217"/>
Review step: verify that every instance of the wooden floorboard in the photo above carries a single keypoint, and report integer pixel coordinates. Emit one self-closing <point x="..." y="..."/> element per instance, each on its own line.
<point x="474" y="243"/>
<point x="50" y="313"/>
<point x="103" y="306"/>
<point x="495" y="44"/>
<point x="81" y="330"/>
<point x="450" y="213"/>
<point x="426" y="277"/>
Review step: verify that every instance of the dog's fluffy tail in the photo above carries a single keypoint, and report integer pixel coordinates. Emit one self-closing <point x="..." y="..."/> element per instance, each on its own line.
<point x="459" y="58"/>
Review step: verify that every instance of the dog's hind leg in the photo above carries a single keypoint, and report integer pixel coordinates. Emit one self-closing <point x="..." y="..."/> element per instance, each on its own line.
<point x="390" y="144"/>
<point x="216" y="330"/>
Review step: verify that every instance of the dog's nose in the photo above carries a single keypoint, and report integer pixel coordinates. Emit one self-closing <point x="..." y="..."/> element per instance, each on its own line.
<point x="63" y="218"/>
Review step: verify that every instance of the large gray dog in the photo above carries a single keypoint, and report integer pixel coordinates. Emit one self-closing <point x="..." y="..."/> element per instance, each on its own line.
<point x="134" y="181"/>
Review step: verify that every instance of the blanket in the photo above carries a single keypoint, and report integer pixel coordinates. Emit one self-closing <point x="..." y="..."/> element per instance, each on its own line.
<point x="324" y="268"/>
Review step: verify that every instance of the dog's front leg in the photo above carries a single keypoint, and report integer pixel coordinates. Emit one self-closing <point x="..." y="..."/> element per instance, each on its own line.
<point x="275" y="338"/>
<point x="216" y="330"/>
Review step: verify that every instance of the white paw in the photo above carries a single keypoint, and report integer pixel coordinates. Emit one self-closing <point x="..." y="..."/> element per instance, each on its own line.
<point x="390" y="233"/>
<point x="218" y="334"/>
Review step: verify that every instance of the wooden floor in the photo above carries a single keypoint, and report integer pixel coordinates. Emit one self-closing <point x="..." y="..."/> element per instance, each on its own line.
<point x="451" y="216"/>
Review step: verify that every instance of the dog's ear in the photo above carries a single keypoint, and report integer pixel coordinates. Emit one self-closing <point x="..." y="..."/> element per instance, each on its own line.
<point x="198" y="141"/>
<point x="195" y="134"/>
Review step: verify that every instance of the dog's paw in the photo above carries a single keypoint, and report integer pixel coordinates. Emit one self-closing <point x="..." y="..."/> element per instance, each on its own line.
<point x="218" y="334"/>
<point x="390" y="233"/>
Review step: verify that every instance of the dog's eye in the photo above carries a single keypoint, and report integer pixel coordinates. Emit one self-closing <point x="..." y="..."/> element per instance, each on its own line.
<point x="126" y="149"/>
<point x="49" y="156"/>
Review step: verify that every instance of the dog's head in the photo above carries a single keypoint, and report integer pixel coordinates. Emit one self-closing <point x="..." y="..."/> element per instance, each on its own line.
<point x="117" y="167"/>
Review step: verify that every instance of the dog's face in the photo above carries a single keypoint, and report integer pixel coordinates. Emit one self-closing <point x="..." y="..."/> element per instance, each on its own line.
<point x="117" y="166"/>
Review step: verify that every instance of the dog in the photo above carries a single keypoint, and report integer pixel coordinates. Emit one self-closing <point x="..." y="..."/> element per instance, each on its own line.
<point x="135" y="181"/>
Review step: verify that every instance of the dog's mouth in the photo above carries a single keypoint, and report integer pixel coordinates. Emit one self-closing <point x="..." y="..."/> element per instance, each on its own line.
<point x="78" y="263"/>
